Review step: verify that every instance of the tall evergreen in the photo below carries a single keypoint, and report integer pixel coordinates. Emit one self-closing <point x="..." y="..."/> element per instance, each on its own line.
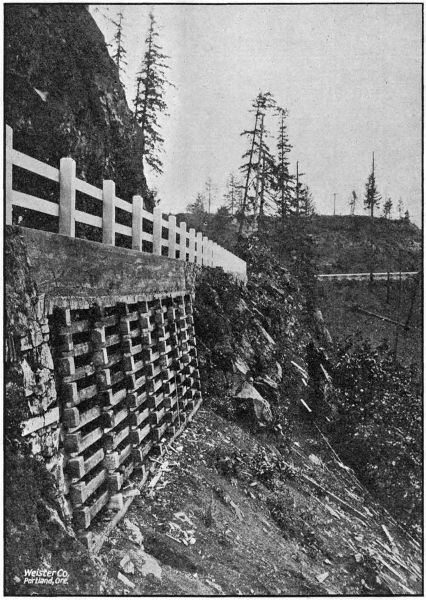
<point x="284" y="181"/>
<point x="296" y="198"/>
<point x="254" y="156"/>
<point x="119" y="50"/>
<point x="149" y="101"/>
<point x="210" y="193"/>
<point x="267" y="171"/>
<point x="372" y="197"/>
<point x="306" y="201"/>
<point x="233" y="195"/>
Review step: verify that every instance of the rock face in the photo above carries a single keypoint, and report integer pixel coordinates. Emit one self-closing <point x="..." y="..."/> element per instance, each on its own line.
<point x="63" y="96"/>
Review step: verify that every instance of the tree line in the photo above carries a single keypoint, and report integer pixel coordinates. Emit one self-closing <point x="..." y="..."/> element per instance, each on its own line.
<point x="265" y="184"/>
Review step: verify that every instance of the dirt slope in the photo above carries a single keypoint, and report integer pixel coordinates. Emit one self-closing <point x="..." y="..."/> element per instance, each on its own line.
<point x="222" y="520"/>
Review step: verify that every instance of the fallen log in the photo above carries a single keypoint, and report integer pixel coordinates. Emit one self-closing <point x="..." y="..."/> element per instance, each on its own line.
<point x="381" y="317"/>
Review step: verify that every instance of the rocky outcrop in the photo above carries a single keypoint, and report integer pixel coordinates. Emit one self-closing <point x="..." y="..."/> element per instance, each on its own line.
<point x="63" y="97"/>
<point x="250" y="403"/>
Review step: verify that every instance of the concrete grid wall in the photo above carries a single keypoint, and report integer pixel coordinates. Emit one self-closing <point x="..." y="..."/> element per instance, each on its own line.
<point x="116" y="339"/>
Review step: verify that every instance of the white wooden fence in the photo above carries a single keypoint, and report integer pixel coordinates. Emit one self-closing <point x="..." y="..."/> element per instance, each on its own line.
<point x="394" y="276"/>
<point x="192" y="246"/>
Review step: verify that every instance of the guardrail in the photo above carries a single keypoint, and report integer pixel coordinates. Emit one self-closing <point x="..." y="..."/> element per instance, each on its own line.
<point x="185" y="245"/>
<point x="365" y="276"/>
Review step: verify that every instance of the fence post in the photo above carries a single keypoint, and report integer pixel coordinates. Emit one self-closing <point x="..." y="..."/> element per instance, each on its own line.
<point x="206" y="245"/>
<point x="199" y="253"/>
<point x="108" y="212"/>
<point x="205" y="250"/>
<point x="156" y="230"/>
<point x="9" y="174"/>
<point x="192" y="245"/>
<point x="137" y="207"/>
<point x="67" y="196"/>
<point x="214" y="254"/>
<point x="172" y="236"/>
<point x="210" y="247"/>
<point x="182" y="245"/>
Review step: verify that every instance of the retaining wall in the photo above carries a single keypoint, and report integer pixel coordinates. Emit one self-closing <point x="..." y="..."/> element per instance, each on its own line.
<point x="116" y="373"/>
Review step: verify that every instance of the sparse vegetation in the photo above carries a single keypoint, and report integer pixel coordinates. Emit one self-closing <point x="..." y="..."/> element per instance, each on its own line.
<point x="379" y="428"/>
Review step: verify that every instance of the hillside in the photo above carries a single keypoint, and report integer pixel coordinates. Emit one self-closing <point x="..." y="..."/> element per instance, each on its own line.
<point x="251" y="499"/>
<point x="344" y="243"/>
<point x="341" y="244"/>
<point x="280" y="485"/>
<point x="236" y="513"/>
<point x="337" y="301"/>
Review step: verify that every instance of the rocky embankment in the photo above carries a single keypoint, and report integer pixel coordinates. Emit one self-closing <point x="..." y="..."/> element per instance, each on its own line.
<point x="251" y="499"/>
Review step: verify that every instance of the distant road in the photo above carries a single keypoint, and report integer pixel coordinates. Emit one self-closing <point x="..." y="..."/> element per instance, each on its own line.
<point x="364" y="276"/>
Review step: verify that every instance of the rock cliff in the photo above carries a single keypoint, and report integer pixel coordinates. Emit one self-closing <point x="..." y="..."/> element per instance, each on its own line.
<point x="63" y="96"/>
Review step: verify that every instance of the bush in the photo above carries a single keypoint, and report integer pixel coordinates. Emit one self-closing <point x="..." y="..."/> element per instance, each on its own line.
<point x="379" y="428"/>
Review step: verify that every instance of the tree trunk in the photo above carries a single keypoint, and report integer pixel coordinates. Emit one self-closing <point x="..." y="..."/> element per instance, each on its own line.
<point x="244" y="207"/>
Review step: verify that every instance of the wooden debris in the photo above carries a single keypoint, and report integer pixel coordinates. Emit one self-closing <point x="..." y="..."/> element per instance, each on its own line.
<point x="237" y="509"/>
<point x="156" y="478"/>
<point x="126" y="581"/>
<point x="396" y="586"/>
<point x="356" y="513"/>
<point x="388" y="535"/>
<point x="305" y="405"/>
<point x="400" y="577"/>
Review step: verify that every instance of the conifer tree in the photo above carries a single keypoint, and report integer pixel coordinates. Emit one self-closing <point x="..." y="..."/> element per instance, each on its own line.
<point x="306" y="201"/>
<point x="198" y="206"/>
<point x="297" y="195"/>
<point x="210" y="193"/>
<point x="400" y="208"/>
<point x="372" y="197"/>
<point x="233" y="195"/>
<point x="254" y="156"/>
<point x="387" y="208"/>
<point x="198" y="212"/>
<point x="284" y="181"/>
<point x="267" y="193"/>
<point x="149" y="100"/>
<point x="119" y="50"/>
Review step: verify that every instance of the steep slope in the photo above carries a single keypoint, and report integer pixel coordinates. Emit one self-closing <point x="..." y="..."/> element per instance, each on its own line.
<point x="63" y="96"/>
<point x="338" y="302"/>
<point x="245" y="507"/>
<point x="244" y="502"/>
<point x="235" y="513"/>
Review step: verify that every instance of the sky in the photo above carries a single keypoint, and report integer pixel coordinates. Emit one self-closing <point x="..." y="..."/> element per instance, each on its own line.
<point x="349" y="76"/>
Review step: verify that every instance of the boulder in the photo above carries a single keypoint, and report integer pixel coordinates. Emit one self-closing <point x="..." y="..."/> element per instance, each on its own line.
<point x="253" y="405"/>
<point x="267" y="386"/>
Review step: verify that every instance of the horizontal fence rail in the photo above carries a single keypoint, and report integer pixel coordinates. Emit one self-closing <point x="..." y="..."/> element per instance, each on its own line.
<point x="185" y="245"/>
<point x="365" y="276"/>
